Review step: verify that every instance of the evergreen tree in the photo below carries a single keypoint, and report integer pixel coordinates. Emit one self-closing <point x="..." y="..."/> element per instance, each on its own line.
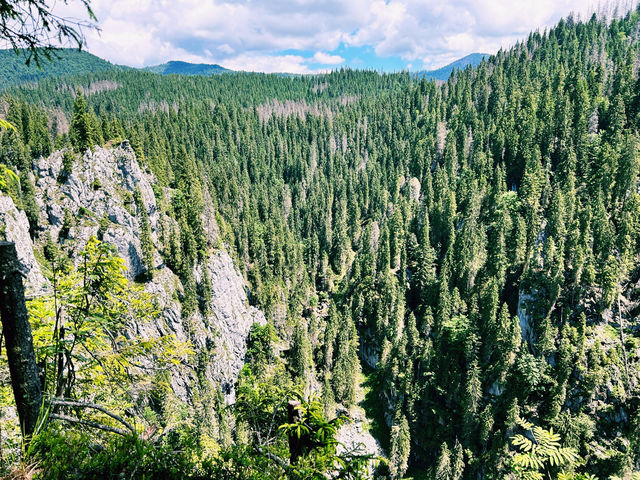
<point x="84" y="131"/>
<point x="400" y="446"/>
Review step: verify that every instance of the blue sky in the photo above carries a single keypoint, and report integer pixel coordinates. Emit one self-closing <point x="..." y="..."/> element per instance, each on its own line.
<point x="360" y="57"/>
<point x="306" y="36"/>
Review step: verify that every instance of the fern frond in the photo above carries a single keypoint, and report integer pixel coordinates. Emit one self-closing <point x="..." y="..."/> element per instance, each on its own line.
<point x="4" y="124"/>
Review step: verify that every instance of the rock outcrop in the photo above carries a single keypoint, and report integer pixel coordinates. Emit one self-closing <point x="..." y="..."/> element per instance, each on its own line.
<point x="232" y="319"/>
<point x="14" y="227"/>
<point x="524" y="317"/>
<point x="100" y="186"/>
<point x="98" y="195"/>
<point x="354" y="436"/>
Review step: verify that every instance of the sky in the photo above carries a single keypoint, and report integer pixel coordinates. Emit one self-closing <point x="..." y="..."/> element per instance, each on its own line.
<point x="308" y="36"/>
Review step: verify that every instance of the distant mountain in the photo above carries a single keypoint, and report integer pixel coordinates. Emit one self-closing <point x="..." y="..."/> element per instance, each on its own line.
<point x="67" y="61"/>
<point x="445" y="72"/>
<point x="186" y="68"/>
<point x="14" y="71"/>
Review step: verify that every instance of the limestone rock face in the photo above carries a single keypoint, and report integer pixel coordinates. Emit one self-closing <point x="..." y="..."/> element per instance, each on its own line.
<point x="414" y="189"/>
<point x="98" y="196"/>
<point x="524" y="317"/>
<point x="100" y="186"/>
<point x="354" y="436"/>
<point x="14" y="227"/>
<point x="232" y="317"/>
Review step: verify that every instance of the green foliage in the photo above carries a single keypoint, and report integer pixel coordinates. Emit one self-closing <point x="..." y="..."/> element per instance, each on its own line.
<point x="468" y="240"/>
<point x="301" y="359"/>
<point x="400" y="447"/>
<point x="29" y="203"/>
<point x="84" y="126"/>
<point x="9" y="183"/>
<point x="318" y="455"/>
<point x="541" y="453"/>
<point x="67" y="222"/>
<point x="82" y="345"/>
<point x="341" y="363"/>
<point x="68" y="159"/>
<point x="146" y="242"/>
<point x="4" y="124"/>
<point x="260" y="403"/>
<point x="241" y="463"/>
<point x="261" y="346"/>
<point x="312" y="425"/>
<point x="64" y="62"/>
<point x="33" y="28"/>
<point x="67" y="454"/>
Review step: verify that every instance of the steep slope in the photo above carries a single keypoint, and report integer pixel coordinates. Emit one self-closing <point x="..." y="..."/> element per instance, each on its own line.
<point x="98" y="196"/>
<point x="14" y="227"/>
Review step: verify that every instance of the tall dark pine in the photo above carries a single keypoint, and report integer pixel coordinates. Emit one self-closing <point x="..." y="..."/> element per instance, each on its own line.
<point x="19" y="342"/>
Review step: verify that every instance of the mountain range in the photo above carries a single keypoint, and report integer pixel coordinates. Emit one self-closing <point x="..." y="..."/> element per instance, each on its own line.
<point x="14" y="71"/>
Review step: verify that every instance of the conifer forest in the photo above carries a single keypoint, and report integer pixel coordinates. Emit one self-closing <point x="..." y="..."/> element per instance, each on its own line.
<point x="346" y="275"/>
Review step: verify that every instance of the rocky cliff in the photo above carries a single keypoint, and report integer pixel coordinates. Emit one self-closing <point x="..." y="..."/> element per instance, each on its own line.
<point x="96" y="198"/>
<point x="14" y="227"/>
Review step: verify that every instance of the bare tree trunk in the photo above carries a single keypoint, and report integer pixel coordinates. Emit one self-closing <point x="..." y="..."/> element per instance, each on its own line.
<point x="18" y="340"/>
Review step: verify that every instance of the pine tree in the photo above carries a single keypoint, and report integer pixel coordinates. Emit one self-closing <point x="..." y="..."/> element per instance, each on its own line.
<point x="346" y="366"/>
<point x="146" y="241"/>
<point x="400" y="446"/>
<point x="443" y="469"/>
<point x="84" y="132"/>
<point x="457" y="467"/>
<point x="301" y="359"/>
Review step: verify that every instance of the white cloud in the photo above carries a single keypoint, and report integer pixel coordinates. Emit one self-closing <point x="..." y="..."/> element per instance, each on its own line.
<point x="440" y="31"/>
<point x="269" y="63"/>
<point x="327" y="59"/>
<point x="263" y="33"/>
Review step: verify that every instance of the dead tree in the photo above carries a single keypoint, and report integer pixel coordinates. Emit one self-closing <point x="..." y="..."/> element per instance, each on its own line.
<point x="19" y="341"/>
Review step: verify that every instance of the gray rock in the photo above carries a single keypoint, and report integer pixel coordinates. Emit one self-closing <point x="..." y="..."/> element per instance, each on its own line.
<point x="232" y="317"/>
<point x="526" y="328"/>
<point x="16" y="229"/>
<point x="102" y="184"/>
<point x="355" y="437"/>
<point x="414" y="189"/>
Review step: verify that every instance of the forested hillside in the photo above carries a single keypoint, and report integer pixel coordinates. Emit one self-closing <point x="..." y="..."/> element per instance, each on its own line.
<point x="185" y="68"/>
<point x="460" y="259"/>
<point x="63" y="61"/>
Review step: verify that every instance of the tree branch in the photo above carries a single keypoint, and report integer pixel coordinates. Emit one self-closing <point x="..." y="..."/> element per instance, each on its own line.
<point x="73" y="403"/>
<point x="271" y="456"/>
<point x="89" y="423"/>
